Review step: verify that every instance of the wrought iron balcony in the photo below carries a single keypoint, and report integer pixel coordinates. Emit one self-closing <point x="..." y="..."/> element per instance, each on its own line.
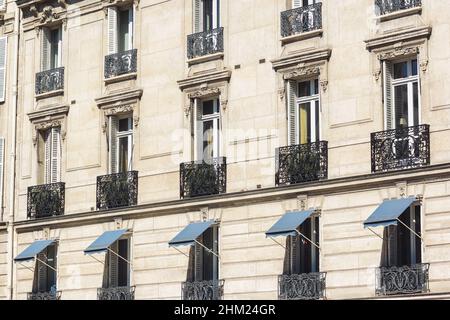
<point x="50" y="80"/>
<point x="53" y="295"/>
<point x="310" y="286"/>
<point x="121" y="63"/>
<point x="202" y="290"/>
<point x="204" y="43"/>
<point x="46" y="200"/>
<point x="118" y="293"/>
<point x="301" y="163"/>
<point x="402" y="280"/>
<point x="390" y="6"/>
<point x="398" y="149"/>
<point x="117" y="190"/>
<point x="300" y="20"/>
<point x="201" y="178"/>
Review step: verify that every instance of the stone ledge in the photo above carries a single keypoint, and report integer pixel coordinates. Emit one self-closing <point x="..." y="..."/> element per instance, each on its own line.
<point x="123" y="77"/>
<point x="49" y="94"/>
<point x="209" y="57"/>
<point x="400" y="14"/>
<point x="301" y="36"/>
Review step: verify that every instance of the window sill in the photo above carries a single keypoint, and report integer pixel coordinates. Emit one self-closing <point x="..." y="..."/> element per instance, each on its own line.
<point x="49" y="94"/>
<point x="400" y="14"/>
<point x="302" y="36"/>
<point x="123" y="77"/>
<point x="209" y="57"/>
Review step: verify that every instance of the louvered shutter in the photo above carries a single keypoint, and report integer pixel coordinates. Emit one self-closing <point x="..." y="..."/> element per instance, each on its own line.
<point x="48" y="156"/>
<point x="198" y="16"/>
<point x="199" y="130"/>
<point x="296" y="4"/>
<point x="113" y="266"/>
<point x="199" y="261"/>
<point x="295" y="258"/>
<point x="42" y="273"/>
<point x="55" y="155"/>
<point x="287" y="256"/>
<point x="392" y="246"/>
<point x="2" y="161"/>
<point x="45" y="49"/>
<point x="292" y="105"/>
<point x="112" y="30"/>
<point x="387" y="79"/>
<point x="3" y="57"/>
<point x="113" y="127"/>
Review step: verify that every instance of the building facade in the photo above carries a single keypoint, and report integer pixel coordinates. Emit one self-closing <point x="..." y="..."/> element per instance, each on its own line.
<point x="218" y="149"/>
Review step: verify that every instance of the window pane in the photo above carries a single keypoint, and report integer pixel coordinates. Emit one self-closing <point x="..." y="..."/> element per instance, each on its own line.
<point x="54" y="48"/>
<point x="124" y="125"/>
<point x="401" y="70"/>
<point x="418" y="229"/>
<point x="416" y="103"/>
<point x="124" y="26"/>
<point x="208" y="107"/>
<point x="123" y="265"/>
<point x="316" y="86"/>
<point x="401" y="106"/>
<point x="317" y="124"/>
<point x="123" y="154"/>
<point x="208" y="140"/>
<point x="414" y="67"/>
<point x="305" y="123"/>
<point x="304" y="89"/>
<point x="404" y="240"/>
<point x="305" y="248"/>
<point x="208" y="15"/>
<point x="51" y="274"/>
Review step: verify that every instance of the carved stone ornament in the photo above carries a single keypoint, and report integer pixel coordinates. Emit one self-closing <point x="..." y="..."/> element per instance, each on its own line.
<point x="42" y="126"/>
<point x="324" y="84"/>
<point x="48" y="15"/>
<point x="119" y="110"/>
<point x="282" y="93"/>
<point x="398" y="52"/>
<point x="301" y="71"/>
<point x="377" y="74"/>
<point x="204" y="92"/>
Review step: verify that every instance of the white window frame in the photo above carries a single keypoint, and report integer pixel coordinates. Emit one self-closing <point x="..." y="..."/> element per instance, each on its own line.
<point x="121" y="135"/>
<point x="215" y="118"/>
<point x="311" y="100"/>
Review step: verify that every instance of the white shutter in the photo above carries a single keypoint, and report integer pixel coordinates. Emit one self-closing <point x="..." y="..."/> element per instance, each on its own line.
<point x="3" y="57"/>
<point x="2" y="161"/>
<point x="198" y="107"/>
<point x="56" y="155"/>
<point x="45" y="49"/>
<point x="48" y="156"/>
<point x="113" y="127"/>
<point x="387" y="91"/>
<point x="296" y="4"/>
<point x="216" y="13"/>
<point x="292" y="106"/>
<point x="112" y="30"/>
<point x="198" y="16"/>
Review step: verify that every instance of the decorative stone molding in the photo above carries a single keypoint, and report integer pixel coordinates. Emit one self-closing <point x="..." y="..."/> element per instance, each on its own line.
<point x="402" y="189"/>
<point x="204" y="92"/>
<point x="302" y="202"/>
<point x="43" y="13"/>
<point x="47" y="118"/>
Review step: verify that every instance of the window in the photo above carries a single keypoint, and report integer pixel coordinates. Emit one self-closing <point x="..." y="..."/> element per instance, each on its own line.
<point x="207" y="263"/>
<point x="45" y="273"/>
<point x="208" y="129"/>
<point x="402" y="94"/>
<point x="206" y="15"/>
<point x="402" y="247"/>
<point x="120" y="29"/>
<point x="49" y="155"/>
<point x="51" y="48"/>
<point x="118" y="270"/>
<point x="121" y="144"/>
<point x="303" y="255"/>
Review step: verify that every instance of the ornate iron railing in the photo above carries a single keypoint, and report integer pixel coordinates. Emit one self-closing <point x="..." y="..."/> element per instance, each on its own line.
<point x="50" y="80"/>
<point x="46" y="200"/>
<point x="204" y="43"/>
<point x="117" y="64"/>
<point x="117" y="190"/>
<point x="202" y="290"/>
<point x="309" y="286"/>
<point x="390" y="6"/>
<point x="301" y="163"/>
<point x="118" y="293"/>
<point x="402" y="280"/>
<point x="303" y="19"/>
<point x="203" y="178"/>
<point x="400" y="149"/>
<point x="53" y="295"/>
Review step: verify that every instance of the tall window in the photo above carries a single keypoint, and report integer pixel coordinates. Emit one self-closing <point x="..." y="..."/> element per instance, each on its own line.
<point x="304" y="256"/>
<point x="208" y="129"/>
<point x="117" y="269"/>
<point x="51" y="44"/>
<point x="120" y="29"/>
<point x="207" y="263"/>
<point x="49" y="156"/>
<point x="45" y="274"/>
<point x="206" y="15"/>
<point x="121" y="144"/>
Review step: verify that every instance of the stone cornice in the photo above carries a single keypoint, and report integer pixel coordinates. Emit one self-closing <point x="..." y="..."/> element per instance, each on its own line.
<point x="47" y="113"/>
<point x="300" y="58"/>
<point x="401" y="36"/>
<point x="210" y="77"/>
<point x="117" y="98"/>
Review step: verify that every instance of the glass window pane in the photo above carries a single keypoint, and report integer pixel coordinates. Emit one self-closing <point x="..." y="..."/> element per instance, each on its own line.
<point x="123" y="265"/>
<point x="305" y="123"/>
<point x="414" y="67"/>
<point x="304" y="89"/>
<point x="54" y="48"/>
<point x="401" y="70"/>
<point x="416" y="103"/>
<point x="124" y="125"/>
<point x="316" y="86"/>
<point x="207" y="15"/>
<point x="208" y="107"/>
<point x="124" y="20"/>
<point x="317" y="124"/>
<point x="401" y="106"/>
<point x="123" y="154"/>
<point x="208" y="140"/>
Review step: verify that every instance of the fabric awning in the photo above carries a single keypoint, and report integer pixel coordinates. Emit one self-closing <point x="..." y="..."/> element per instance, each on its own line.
<point x="288" y="224"/>
<point x="105" y="241"/>
<point x="33" y="250"/>
<point x="388" y="212"/>
<point x="189" y="234"/>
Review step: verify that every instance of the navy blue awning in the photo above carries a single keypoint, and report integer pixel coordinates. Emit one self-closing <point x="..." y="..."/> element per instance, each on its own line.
<point x="189" y="234"/>
<point x="104" y="241"/>
<point x="288" y="224"/>
<point x="33" y="250"/>
<point x="388" y="212"/>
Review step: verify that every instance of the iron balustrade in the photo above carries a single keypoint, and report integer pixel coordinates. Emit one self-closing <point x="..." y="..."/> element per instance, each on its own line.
<point x="202" y="178"/>
<point x="117" y="293"/>
<point x="117" y="190"/>
<point x="203" y="43"/>
<point x="121" y="63"/>
<point x="46" y="200"/>
<point x="302" y="19"/>
<point x="301" y="163"/>
<point x="399" y="149"/>
<point x="50" y="80"/>
<point x="310" y="286"/>
<point x="53" y="295"/>
<point x="202" y="290"/>
<point x="390" y="6"/>
<point x="402" y="280"/>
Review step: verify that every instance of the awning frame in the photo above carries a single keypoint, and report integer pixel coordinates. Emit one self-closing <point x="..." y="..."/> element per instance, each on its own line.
<point x="32" y="269"/>
<point x="126" y="234"/>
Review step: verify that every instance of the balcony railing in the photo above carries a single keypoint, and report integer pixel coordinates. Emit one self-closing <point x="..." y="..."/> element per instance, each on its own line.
<point x="204" y="43"/>
<point x="121" y="63"/>
<point x="203" y="178"/>
<point x="300" y="20"/>
<point x="118" y="293"/>
<point x="309" y="286"/>
<point x="50" y="80"/>
<point x="402" y="280"/>
<point x="46" y="200"/>
<point x="54" y="295"/>
<point x="202" y="290"/>
<point x="398" y="149"/>
<point x="301" y="163"/>
<point x="117" y="190"/>
<point x="390" y="6"/>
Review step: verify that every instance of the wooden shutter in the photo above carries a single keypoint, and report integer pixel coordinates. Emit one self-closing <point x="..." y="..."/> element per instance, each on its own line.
<point x="45" y="49"/>
<point x="113" y="266"/>
<point x="112" y="30"/>
<point x="48" y="156"/>
<point x="199" y="261"/>
<point x="387" y="90"/>
<point x="113" y="127"/>
<point x="55" y="155"/>
<point x="3" y="57"/>
<point x="2" y="161"/>
<point x="292" y="106"/>
<point x="198" y="16"/>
